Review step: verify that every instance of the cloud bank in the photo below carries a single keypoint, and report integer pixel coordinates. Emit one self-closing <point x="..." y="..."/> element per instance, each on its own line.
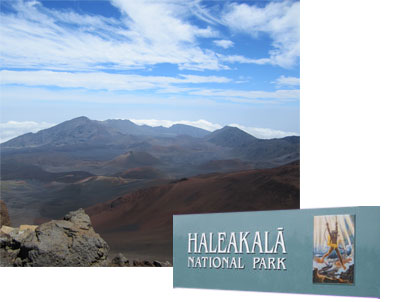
<point x="13" y="129"/>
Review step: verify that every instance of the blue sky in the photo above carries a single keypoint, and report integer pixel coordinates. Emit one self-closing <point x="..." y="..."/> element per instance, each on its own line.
<point x="204" y="63"/>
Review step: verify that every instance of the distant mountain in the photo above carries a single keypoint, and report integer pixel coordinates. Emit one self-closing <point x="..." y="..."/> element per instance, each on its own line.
<point x="247" y="147"/>
<point x="77" y="131"/>
<point x="180" y="129"/>
<point x="285" y="149"/>
<point x="128" y="127"/>
<point x="83" y="131"/>
<point x="230" y="137"/>
<point x="125" y="127"/>
<point x="113" y="146"/>
<point x="129" y="222"/>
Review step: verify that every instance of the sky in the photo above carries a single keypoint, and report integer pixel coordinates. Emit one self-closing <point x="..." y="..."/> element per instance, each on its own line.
<point x="201" y="63"/>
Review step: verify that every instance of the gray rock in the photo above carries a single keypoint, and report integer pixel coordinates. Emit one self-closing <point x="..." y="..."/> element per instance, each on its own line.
<point x="148" y="263"/>
<point x="167" y="264"/>
<point x="5" y="258"/>
<point x="79" y="218"/>
<point x="68" y="242"/>
<point x="120" y="260"/>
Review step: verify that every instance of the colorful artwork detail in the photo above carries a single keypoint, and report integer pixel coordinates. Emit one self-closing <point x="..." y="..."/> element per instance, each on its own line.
<point x="333" y="249"/>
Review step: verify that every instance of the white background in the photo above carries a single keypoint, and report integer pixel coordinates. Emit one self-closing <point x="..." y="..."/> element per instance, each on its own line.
<point x="348" y="156"/>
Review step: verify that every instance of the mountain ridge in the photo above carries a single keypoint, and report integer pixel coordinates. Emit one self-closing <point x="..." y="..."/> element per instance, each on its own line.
<point x="84" y="130"/>
<point x="80" y="130"/>
<point x="108" y="147"/>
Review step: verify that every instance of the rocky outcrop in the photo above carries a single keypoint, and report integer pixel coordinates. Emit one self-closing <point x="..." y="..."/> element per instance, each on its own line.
<point x="4" y="217"/>
<point x="71" y="241"/>
<point x="121" y="261"/>
<point x="68" y="242"/>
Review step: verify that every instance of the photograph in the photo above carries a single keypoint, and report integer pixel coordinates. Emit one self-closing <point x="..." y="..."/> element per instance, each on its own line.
<point x="139" y="138"/>
<point x="117" y="115"/>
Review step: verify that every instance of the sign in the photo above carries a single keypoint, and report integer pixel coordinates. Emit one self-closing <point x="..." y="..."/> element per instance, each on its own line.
<point x="334" y="251"/>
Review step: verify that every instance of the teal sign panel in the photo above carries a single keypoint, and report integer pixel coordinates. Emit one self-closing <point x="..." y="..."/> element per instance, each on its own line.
<point x="333" y="251"/>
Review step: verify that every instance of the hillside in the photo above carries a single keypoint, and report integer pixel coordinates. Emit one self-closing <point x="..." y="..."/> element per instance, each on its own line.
<point x="133" y="159"/>
<point x="141" y="222"/>
<point x="14" y="170"/>
<point x="142" y="173"/>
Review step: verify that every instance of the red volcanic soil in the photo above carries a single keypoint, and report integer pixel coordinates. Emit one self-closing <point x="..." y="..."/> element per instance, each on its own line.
<point x="140" y="223"/>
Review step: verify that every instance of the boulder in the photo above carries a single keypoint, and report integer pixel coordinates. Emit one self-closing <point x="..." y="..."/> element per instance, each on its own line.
<point x="4" y="217"/>
<point x="68" y="242"/>
<point x="7" y="230"/>
<point x="24" y="227"/>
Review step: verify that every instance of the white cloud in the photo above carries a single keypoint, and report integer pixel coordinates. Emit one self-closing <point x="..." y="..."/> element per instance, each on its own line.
<point x="287" y="81"/>
<point x="101" y="80"/>
<point x="165" y="96"/>
<point x="264" y="133"/>
<point x="279" y="20"/>
<point x="224" y="43"/>
<point x="149" y="32"/>
<point x="43" y="96"/>
<point x="126" y="82"/>
<point x="13" y="129"/>
<point x="201" y="12"/>
<point x="244" y="60"/>
<point x="203" y="124"/>
<point x="251" y="95"/>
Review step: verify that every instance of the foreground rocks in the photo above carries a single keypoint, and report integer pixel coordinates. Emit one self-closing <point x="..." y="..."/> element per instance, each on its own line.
<point x="68" y="242"/>
<point x="71" y="241"/>
<point x="154" y="263"/>
<point x="121" y="261"/>
<point x="4" y="217"/>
